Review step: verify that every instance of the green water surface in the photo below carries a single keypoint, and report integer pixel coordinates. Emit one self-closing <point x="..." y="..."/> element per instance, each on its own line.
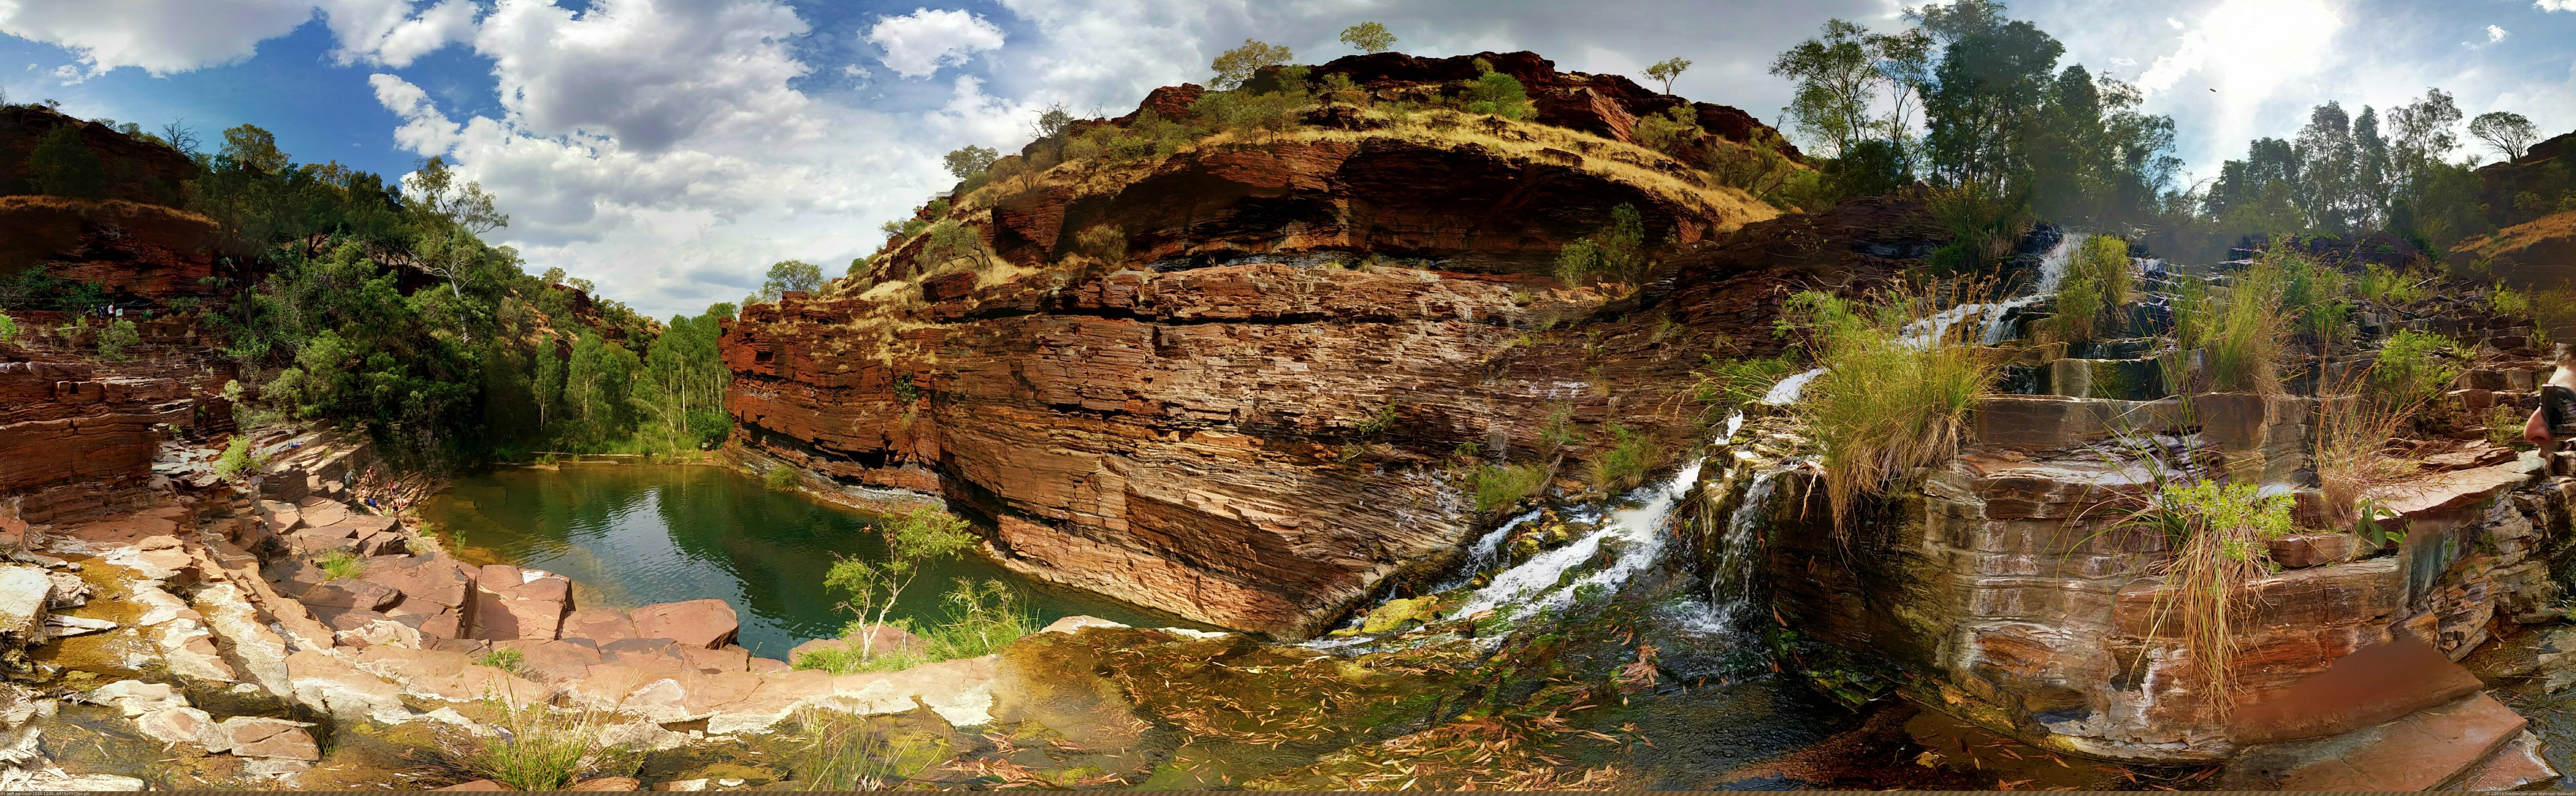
<point x="632" y="535"/>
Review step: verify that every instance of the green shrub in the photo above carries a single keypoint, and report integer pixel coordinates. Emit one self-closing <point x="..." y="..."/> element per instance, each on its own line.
<point x="508" y="660"/>
<point x="1670" y="130"/>
<point x="1736" y="382"/>
<point x="62" y="165"/>
<point x="340" y="565"/>
<point x="2509" y="302"/>
<point x="115" y="337"/>
<point x="2218" y="533"/>
<point x="1624" y="465"/>
<point x="1883" y="405"/>
<point x="2241" y="337"/>
<point x="2097" y="283"/>
<point x="1501" y="486"/>
<point x="984" y="617"/>
<point x="1498" y="94"/>
<point x="780" y="478"/>
<point x="912" y="540"/>
<point x="8" y="328"/>
<point x="1615" y="250"/>
<point x="239" y="458"/>
<point x="1983" y="225"/>
<point x="1245" y="113"/>
<point x="2413" y="369"/>
<point x="1104" y="242"/>
<point x="2381" y="284"/>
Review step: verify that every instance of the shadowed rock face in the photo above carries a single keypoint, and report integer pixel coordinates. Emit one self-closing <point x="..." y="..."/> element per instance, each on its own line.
<point x="70" y="436"/>
<point x="136" y="171"/>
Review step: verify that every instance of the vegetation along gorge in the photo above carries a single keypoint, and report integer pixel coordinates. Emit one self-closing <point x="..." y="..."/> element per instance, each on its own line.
<point x="1379" y="421"/>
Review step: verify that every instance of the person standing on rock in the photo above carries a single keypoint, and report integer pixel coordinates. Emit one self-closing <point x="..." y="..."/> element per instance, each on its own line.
<point x="2556" y="418"/>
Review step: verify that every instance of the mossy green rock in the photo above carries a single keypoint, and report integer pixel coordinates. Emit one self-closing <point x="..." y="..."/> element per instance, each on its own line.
<point x="1395" y="613"/>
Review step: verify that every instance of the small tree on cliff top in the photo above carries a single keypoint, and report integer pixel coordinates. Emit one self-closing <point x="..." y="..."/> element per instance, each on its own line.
<point x="1368" y="37"/>
<point x="1238" y="65"/>
<point x="927" y="534"/>
<point x="1668" y="70"/>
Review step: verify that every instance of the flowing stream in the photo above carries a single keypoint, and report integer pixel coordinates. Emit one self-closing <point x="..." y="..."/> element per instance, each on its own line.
<point x="1636" y="532"/>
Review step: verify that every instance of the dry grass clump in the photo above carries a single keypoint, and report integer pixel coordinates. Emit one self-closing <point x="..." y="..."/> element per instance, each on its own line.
<point x="845" y="752"/>
<point x="1895" y="393"/>
<point x="2242" y="334"/>
<point x="537" y="747"/>
<point x="2217" y="532"/>
<point x="2351" y="454"/>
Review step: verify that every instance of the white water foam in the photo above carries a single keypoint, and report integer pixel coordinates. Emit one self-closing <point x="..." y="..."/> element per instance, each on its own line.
<point x="1730" y="591"/>
<point x="1531" y="586"/>
<point x="1484" y="553"/>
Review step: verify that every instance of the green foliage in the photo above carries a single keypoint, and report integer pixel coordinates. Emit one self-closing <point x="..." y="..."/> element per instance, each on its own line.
<point x="1669" y="131"/>
<point x="239" y="458"/>
<point x="340" y="564"/>
<point x="2388" y="287"/>
<point x="1234" y="67"/>
<point x="2097" y="282"/>
<point x="1735" y="382"/>
<point x="926" y="534"/>
<point x="1624" y="465"/>
<point x="787" y="275"/>
<point x="681" y="389"/>
<point x="904" y="392"/>
<point x="1983" y="224"/>
<point x="62" y="165"/>
<point x="2509" y="133"/>
<point x="1759" y="168"/>
<point x="1502" y="486"/>
<point x="969" y="160"/>
<point x="2503" y="301"/>
<point x="1243" y="112"/>
<point x="115" y="337"/>
<point x="984" y="616"/>
<point x="2413" y="368"/>
<point x="1884" y="404"/>
<point x="1668" y="70"/>
<point x="846" y="752"/>
<point x="781" y="478"/>
<point x="1498" y="94"/>
<point x="1368" y="37"/>
<point x="1837" y="79"/>
<point x="508" y="660"/>
<point x="1559" y="430"/>
<point x="1104" y="242"/>
<point x="8" y="328"/>
<point x="2241" y="336"/>
<point x="1614" y="251"/>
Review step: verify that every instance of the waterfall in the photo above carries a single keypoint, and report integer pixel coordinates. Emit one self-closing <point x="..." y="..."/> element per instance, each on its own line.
<point x="1484" y="553"/>
<point x="1637" y="533"/>
<point x="1730" y="587"/>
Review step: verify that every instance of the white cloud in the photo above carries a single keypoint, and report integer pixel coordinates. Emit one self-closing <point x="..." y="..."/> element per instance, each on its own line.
<point x="386" y="31"/>
<point x="2554" y="5"/>
<point x="161" y="37"/>
<point x="424" y="129"/>
<point x="2496" y="34"/>
<point x="919" y="43"/>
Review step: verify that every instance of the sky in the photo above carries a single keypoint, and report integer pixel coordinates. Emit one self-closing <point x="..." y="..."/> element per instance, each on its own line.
<point x="669" y="150"/>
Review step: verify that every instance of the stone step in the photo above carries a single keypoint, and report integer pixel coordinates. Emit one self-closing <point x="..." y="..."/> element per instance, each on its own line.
<point x="2424" y="750"/>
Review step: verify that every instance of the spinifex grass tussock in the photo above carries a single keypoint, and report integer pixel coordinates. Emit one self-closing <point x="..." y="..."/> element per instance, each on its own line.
<point x="2352" y="456"/>
<point x="537" y="747"/>
<point x="1502" y="486"/>
<point x="339" y="564"/>
<point x="1895" y="392"/>
<point x="841" y="751"/>
<point x="2215" y="536"/>
<point x="2240" y="333"/>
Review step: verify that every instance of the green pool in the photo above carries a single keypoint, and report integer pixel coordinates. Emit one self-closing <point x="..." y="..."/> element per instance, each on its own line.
<point x="632" y="535"/>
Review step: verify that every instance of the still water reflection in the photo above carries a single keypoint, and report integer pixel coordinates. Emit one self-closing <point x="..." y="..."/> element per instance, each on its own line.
<point x="631" y="536"/>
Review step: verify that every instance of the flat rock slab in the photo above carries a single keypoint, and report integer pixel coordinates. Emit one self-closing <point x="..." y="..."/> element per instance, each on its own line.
<point x="706" y="624"/>
<point x="2420" y="751"/>
<point x="2372" y="685"/>
<point x="2517" y="766"/>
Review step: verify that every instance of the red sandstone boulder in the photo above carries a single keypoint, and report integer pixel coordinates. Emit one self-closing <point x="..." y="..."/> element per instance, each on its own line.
<point x="706" y="624"/>
<point x="348" y="593"/>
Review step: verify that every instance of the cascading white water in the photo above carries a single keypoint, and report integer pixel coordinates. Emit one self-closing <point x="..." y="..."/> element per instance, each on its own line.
<point x="2052" y="268"/>
<point x="1730" y="586"/>
<point x="1484" y="553"/>
<point x="1638" y="532"/>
